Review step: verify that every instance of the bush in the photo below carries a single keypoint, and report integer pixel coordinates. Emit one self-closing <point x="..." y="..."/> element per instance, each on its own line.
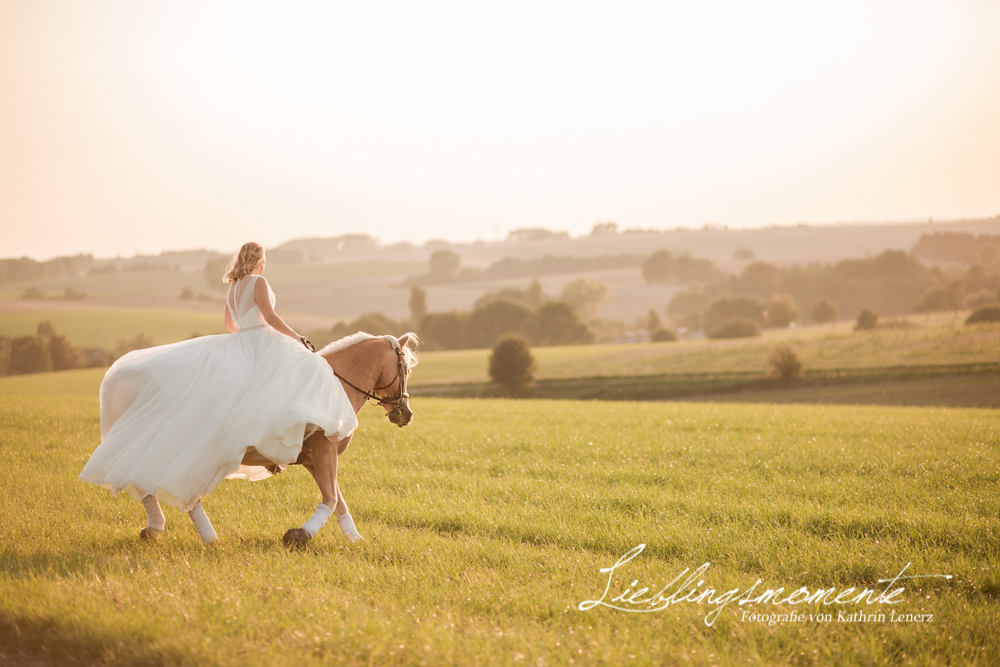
<point x="785" y="361"/>
<point x="662" y="335"/>
<point x="64" y="356"/>
<point x="443" y="331"/>
<point x="511" y="364"/>
<point x="736" y="328"/>
<point x="984" y="314"/>
<point x="825" y="311"/>
<point x="867" y="319"/>
<point x="186" y="293"/>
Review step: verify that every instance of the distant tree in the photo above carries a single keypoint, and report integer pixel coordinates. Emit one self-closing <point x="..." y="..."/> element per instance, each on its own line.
<point x="64" y="356"/>
<point x="726" y="308"/>
<point x="867" y="319"/>
<point x="187" y="293"/>
<point x="743" y="254"/>
<point x="759" y="279"/>
<point x="988" y="253"/>
<point x="444" y="331"/>
<point x="32" y="294"/>
<point x="124" y="346"/>
<point x="29" y="354"/>
<point x="558" y="323"/>
<point x="662" y="266"/>
<point x="935" y="300"/>
<point x="740" y="327"/>
<point x="782" y="311"/>
<point x="4" y="356"/>
<point x="511" y="364"/>
<point x="662" y="335"/>
<point x="73" y="295"/>
<point x="45" y="329"/>
<point x="688" y="304"/>
<point x="785" y="361"/>
<point x="586" y="295"/>
<point x="984" y="314"/>
<point x="652" y="321"/>
<point x="532" y="296"/>
<point x="825" y="311"/>
<point x="444" y="264"/>
<point x="493" y="320"/>
<point x="604" y="229"/>
<point x="418" y="303"/>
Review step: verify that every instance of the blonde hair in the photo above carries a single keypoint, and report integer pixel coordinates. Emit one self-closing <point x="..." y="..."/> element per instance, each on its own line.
<point x="244" y="262"/>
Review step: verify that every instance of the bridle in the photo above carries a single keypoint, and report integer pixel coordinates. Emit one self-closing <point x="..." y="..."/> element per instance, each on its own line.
<point x="400" y="396"/>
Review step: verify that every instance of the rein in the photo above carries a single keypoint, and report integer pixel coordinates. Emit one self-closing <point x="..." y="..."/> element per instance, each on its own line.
<point x="397" y="399"/>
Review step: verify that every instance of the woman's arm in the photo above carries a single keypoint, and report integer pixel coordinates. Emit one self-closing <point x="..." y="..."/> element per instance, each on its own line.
<point x="228" y="319"/>
<point x="267" y="310"/>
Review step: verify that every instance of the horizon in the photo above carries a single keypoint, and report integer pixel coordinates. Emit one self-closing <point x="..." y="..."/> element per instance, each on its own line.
<point x="137" y="127"/>
<point x="706" y="227"/>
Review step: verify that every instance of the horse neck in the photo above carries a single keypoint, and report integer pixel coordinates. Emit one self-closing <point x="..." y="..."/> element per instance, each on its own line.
<point x="359" y="363"/>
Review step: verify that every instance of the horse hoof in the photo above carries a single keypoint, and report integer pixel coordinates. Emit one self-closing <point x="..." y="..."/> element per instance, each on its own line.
<point x="295" y="538"/>
<point x="149" y="534"/>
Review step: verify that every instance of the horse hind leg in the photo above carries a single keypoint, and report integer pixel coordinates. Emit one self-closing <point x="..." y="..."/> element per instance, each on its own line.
<point x="155" y="521"/>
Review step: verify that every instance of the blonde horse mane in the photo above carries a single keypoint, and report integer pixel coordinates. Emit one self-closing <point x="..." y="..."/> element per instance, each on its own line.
<point x="361" y="336"/>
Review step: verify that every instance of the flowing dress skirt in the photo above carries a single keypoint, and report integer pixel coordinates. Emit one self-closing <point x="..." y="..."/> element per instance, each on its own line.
<point x="177" y="419"/>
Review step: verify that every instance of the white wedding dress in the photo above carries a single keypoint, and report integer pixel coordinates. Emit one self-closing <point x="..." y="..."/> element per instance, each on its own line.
<point x="177" y="419"/>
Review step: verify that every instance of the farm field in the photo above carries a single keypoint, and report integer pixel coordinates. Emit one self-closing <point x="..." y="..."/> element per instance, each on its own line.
<point x="950" y="365"/>
<point x="940" y="340"/>
<point x="103" y="328"/>
<point x="487" y="523"/>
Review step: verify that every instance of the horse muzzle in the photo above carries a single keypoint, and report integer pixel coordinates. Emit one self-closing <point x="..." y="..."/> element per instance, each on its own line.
<point x="402" y="415"/>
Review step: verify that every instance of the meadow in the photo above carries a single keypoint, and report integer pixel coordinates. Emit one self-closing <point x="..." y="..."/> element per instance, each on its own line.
<point x="104" y="327"/>
<point x="487" y="523"/>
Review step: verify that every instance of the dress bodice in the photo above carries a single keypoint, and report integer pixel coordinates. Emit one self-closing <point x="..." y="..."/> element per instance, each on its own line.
<point x="242" y="304"/>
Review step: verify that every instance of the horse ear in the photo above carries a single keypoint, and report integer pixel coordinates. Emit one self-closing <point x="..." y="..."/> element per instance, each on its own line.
<point x="408" y="338"/>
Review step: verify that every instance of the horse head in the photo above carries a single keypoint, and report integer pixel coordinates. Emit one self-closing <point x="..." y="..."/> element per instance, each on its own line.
<point x="394" y="375"/>
<point x="378" y="368"/>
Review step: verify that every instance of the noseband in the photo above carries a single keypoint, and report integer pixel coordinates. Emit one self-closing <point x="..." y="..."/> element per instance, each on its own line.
<point x="395" y="400"/>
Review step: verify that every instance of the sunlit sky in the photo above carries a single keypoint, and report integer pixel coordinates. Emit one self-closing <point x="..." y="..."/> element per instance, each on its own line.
<point x="137" y="126"/>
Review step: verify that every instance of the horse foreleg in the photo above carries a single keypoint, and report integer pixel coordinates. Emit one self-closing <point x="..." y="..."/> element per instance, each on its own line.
<point x="325" y="457"/>
<point x="155" y="521"/>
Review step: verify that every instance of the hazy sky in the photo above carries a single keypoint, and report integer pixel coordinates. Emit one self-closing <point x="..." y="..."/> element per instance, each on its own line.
<point x="134" y="125"/>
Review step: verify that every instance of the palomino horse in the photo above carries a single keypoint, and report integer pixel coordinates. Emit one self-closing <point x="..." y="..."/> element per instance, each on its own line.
<point x="371" y="368"/>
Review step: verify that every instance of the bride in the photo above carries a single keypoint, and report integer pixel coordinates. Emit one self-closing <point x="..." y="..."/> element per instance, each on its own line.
<point x="177" y="419"/>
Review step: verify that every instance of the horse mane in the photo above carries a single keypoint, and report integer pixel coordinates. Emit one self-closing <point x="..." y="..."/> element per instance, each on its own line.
<point x="361" y="336"/>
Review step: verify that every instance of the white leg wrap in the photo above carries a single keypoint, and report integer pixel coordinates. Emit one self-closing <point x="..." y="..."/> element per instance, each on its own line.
<point x="154" y="515"/>
<point x="317" y="520"/>
<point x="204" y="526"/>
<point x="347" y="525"/>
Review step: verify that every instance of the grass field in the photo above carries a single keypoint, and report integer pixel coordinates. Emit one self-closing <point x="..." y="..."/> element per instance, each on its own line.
<point x="104" y="327"/>
<point x="487" y="523"/>
<point x="938" y="341"/>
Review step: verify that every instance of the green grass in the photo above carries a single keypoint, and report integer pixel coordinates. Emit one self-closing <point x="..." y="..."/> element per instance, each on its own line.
<point x="106" y="326"/>
<point x="486" y="524"/>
